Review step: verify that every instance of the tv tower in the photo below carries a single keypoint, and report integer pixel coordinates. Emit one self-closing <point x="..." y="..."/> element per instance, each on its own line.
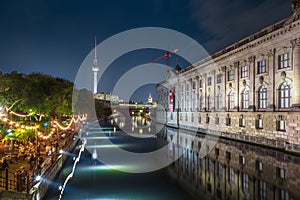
<point x="95" y="67"/>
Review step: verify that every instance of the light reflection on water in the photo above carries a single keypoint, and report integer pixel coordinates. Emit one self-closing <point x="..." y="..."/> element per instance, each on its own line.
<point x="232" y="170"/>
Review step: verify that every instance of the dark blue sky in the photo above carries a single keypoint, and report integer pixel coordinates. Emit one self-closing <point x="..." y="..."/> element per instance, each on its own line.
<point x="54" y="36"/>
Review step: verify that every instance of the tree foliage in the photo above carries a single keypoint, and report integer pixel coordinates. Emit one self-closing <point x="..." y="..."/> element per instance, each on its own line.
<point x="38" y="93"/>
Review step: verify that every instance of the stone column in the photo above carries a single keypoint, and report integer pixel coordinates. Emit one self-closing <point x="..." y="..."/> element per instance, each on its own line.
<point x="296" y="69"/>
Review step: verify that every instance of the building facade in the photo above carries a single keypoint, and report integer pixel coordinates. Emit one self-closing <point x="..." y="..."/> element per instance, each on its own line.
<point x="247" y="91"/>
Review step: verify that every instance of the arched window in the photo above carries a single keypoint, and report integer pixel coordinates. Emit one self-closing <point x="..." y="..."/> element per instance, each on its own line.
<point x="245" y="98"/>
<point x="285" y="98"/>
<point x="220" y="101"/>
<point x="201" y="102"/>
<point x="231" y="100"/>
<point x="262" y="97"/>
<point x="245" y="183"/>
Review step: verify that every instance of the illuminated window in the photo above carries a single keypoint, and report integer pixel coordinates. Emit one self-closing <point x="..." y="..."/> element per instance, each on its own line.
<point x="188" y="100"/>
<point x="202" y="103"/>
<point x="261" y="67"/>
<point x="211" y="166"/>
<point x="230" y="75"/>
<point x="245" y="183"/>
<point x="284" y="195"/>
<point x="209" y="82"/>
<point x="284" y="61"/>
<point x="281" y="124"/>
<point x="245" y="98"/>
<point x="262" y="97"/>
<point x="231" y="175"/>
<point x="220" y="101"/>
<point x="220" y="171"/>
<point x="259" y="122"/>
<point x="242" y="121"/>
<point x="262" y="190"/>
<point x="285" y="98"/>
<point x="231" y="100"/>
<point x="219" y="78"/>
<point x="210" y="102"/>
<point x="245" y="72"/>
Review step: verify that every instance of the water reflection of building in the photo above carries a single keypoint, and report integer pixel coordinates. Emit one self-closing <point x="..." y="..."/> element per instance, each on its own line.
<point x="233" y="170"/>
<point x="248" y="91"/>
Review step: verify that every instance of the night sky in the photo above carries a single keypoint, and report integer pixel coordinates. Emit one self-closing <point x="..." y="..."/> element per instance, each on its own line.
<point x="54" y="36"/>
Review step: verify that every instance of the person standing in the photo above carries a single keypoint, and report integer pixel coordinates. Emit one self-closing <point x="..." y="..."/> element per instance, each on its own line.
<point x="4" y="163"/>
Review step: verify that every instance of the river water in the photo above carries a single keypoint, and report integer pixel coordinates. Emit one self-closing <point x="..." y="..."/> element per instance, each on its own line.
<point x="230" y="170"/>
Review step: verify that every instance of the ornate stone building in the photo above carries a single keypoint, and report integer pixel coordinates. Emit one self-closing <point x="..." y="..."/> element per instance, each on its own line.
<point x="247" y="91"/>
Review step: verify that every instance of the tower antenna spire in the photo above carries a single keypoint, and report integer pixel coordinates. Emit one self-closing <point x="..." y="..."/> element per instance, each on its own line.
<point x="95" y="53"/>
<point x="95" y="67"/>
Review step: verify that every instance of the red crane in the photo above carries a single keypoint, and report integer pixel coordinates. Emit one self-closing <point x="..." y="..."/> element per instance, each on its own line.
<point x="167" y="56"/>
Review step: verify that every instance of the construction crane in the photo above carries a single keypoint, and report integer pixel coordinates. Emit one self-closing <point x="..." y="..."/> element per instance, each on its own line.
<point x="167" y="56"/>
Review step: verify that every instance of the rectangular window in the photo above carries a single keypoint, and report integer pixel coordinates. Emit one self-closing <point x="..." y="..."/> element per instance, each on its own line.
<point x="219" y="78"/>
<point x="281" y="124"/>
<point x="228" y="120"/>
<point x="281" y="173"/>
<point x="242" y="121"/>
<point x="261" y="67"/>
<point x="259" y="122"/>
<point x="284" y="61"/>
<point x="201" y="83"/>
<point x="194" y="85"/>
<point x="199" y="119"/>
<point x="209" y="81"/>
<point x="207" y="119"/>
<point x="244" y="72"/>
<point x="242" y="160"/>
<point x="230" y="75"/>
<point x="259" y="166"/>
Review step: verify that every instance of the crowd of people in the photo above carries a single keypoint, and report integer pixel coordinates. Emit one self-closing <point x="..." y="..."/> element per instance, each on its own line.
<point x="25" y="160"/>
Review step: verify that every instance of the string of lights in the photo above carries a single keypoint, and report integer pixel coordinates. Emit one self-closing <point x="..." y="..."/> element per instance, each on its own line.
<point x="22" y="128"/>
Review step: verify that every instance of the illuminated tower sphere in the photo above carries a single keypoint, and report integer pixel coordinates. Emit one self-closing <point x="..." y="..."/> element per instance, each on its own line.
<point x="95" y="68"/>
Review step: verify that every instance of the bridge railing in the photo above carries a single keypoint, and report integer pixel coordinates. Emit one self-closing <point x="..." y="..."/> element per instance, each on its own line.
<point x="13" y="182"/>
